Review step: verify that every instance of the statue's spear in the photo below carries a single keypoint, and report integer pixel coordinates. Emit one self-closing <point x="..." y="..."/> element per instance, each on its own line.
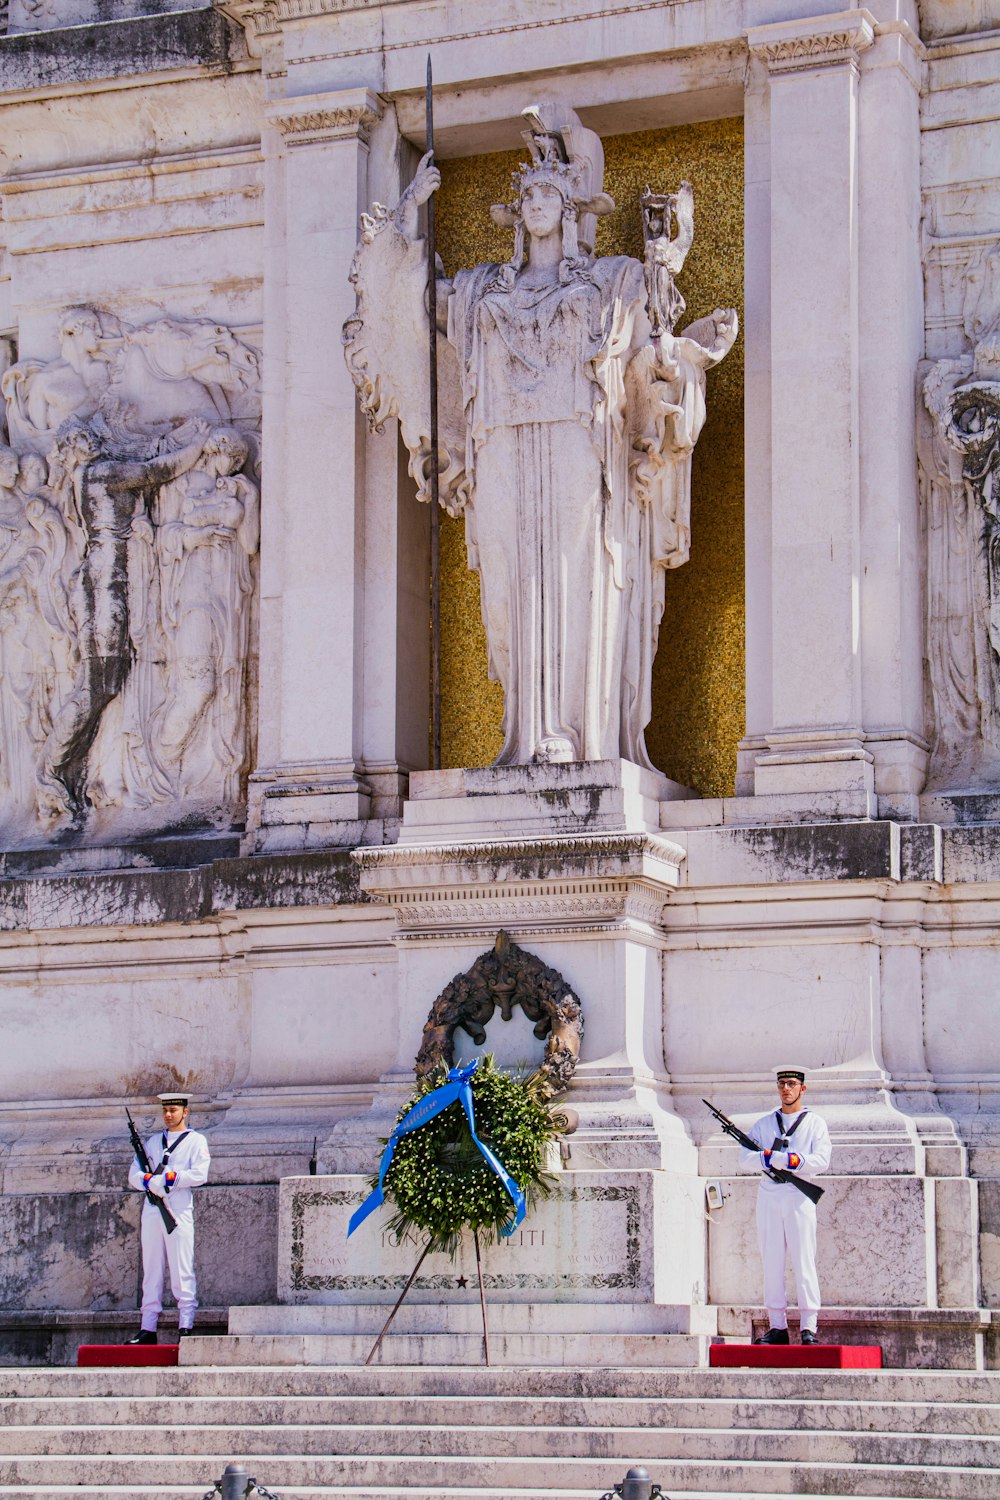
<point x="435" y="519"/>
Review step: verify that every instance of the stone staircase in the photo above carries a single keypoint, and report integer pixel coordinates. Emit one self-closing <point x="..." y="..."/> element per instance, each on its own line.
<point x="449" y="1433"/>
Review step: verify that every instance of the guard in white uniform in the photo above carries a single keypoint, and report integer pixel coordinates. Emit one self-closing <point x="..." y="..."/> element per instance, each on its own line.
<point x="180" y="1161"/>
<point x="793" y="1139"/>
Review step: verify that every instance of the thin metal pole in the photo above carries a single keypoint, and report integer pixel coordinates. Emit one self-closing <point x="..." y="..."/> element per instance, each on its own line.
<point x="482" y="1297"/>
<point x="399" y="1303"/>
<point x="435" y="515"/>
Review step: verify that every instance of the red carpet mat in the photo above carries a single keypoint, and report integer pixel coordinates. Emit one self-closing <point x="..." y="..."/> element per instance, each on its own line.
<point x="133" y="1355"/>
<point x="796" y="1356"/>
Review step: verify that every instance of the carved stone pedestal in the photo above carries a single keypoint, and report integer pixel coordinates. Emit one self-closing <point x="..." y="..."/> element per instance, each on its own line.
<point x="609" y="1270"/>
<point x="569" y="861"/>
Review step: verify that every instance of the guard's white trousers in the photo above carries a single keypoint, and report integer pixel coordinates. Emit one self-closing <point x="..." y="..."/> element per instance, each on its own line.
<point x="786" y="1225"/>
<point x="159" y="1251"/>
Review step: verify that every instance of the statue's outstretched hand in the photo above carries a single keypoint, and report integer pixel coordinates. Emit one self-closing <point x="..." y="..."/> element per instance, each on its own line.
<point x="727" y="325"/>
<point x="426" y="181"/>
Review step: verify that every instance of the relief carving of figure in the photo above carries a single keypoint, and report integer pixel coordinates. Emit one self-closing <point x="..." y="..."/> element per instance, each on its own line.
<point x="42" y="396"/>
<point x="191" y="593"/>
<point x="107" y="492"/>
<point x="35" y="627"/>
<point x="959" y="455"/>
<point x="208" y="529"/>
<point x="567" y="428"/>
<point x="131" y="524"/>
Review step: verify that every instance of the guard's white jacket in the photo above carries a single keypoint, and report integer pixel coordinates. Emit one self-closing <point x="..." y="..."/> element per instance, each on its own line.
<point x="811" y="1142"/>
<point x="190" y="1160"/>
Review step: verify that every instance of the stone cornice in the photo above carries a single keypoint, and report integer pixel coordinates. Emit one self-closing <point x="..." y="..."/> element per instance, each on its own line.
<point x="313" y="118"/>
<point x="826" y="41"/>
<point x="261" y="18"/>
<point x="488" y="851"/>
<point x="563" y="906"/>
<point x="580" y="883"/>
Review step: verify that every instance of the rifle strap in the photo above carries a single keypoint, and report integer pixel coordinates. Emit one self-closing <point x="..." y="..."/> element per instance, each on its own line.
<point x="781" y="1124"/>
<point x="168" y="1150"/>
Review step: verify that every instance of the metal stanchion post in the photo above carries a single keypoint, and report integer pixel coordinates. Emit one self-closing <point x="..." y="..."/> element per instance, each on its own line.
<point x="236" y="1484"/>
<point x="636" y="1485"/>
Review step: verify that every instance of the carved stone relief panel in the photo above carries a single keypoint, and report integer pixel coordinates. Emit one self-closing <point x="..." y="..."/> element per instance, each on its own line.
<point x="129" y="529"/>
<point x="43" y="15"/>
<point x="959" y="453"/>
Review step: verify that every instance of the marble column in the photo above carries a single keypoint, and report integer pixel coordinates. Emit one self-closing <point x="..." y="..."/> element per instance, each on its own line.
<point x="309" y="786"/>
<point x="809" y="738"/>
<point x="890" y="344"/>
<point x="397" y="669"/>
<point x="757" y="425"/>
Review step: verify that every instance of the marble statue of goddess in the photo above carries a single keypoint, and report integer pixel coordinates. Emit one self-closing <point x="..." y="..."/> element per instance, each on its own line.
<point x="566" y="437"/>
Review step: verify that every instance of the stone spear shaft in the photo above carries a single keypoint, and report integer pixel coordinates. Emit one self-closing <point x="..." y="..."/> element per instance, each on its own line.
<point x="435" y="516"/>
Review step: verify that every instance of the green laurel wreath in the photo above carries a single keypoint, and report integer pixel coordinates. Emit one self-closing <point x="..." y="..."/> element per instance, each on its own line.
<point x="438" y="1182"/>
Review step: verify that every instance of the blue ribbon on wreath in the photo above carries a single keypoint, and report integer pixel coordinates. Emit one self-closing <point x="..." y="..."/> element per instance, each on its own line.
<point x="457" y="1086"/>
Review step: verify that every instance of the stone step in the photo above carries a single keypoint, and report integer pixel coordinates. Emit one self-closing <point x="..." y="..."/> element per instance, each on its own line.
<point x="477" y="1382"/>
<point x="488" y="1445"/>
<point x="541" y="1349"/>
<point x="463" y="1315"/>
<point x="982" y="1419"/>
<point x="361" y="1492"/>
<point x="541" y="1476"/>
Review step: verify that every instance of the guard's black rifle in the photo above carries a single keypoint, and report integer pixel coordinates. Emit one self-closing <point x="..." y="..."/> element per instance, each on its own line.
<point x="169" y="1222"/>
<point x="777" y="1174"/>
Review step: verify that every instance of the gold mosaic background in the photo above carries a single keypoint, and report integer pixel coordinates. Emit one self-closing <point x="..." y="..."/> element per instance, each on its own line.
<point x="699" y="705"/>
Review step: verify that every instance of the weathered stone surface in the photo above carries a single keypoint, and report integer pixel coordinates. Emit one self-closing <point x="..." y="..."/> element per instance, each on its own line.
<point x="971" y="854"/>
<point x="119" y="49"/>
<point x="45" y="15"/>
<point x="920" y="852"/>
<point x="69" y="1250"/>
<point x="883" y="1269"/>
<point x="961" y="808"/>
<point x="910" y="1339"/>
<point x="81" y="1250"/>
<point x="143" y="898"/>
<point x="989" y="1241"/>
<point x="325" y="878"/>
<point x="51" y="1338"/>
<point x="809" y="852"/>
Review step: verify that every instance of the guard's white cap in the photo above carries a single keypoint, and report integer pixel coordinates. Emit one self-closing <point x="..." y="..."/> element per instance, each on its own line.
<point x="174" y="1097"/>
<point x="791" y="1071"/>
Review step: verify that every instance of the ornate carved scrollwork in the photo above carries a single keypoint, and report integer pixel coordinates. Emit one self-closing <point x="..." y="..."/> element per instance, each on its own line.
<point x="504" y="977"/>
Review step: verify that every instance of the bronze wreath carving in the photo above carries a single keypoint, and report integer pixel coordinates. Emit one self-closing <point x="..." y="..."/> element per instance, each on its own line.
<point x="507" y="976"/>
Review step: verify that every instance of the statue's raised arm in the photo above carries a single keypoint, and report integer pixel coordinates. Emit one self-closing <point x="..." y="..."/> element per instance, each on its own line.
<point x="569" y="411"/>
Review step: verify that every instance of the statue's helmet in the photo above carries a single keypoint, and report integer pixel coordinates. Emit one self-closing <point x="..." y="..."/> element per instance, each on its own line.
<point x="566" y="156"/>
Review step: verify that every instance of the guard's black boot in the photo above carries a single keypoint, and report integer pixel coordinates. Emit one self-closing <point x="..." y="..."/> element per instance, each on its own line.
<point x="773" y="1336"/>
<point x="184" y="1333"/>
<point x="809" y="1337"/>
<point x="144" y="1337"/>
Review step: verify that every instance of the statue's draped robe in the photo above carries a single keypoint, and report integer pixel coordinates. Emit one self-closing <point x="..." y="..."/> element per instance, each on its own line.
<point x="547" y="528"/>
<point x="576" y="487"/>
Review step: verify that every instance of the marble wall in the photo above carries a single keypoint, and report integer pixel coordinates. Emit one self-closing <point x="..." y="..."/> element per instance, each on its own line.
<point x="199" y="918"/>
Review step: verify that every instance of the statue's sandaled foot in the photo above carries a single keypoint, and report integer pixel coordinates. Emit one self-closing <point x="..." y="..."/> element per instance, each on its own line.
<point x="554" y="750"/>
